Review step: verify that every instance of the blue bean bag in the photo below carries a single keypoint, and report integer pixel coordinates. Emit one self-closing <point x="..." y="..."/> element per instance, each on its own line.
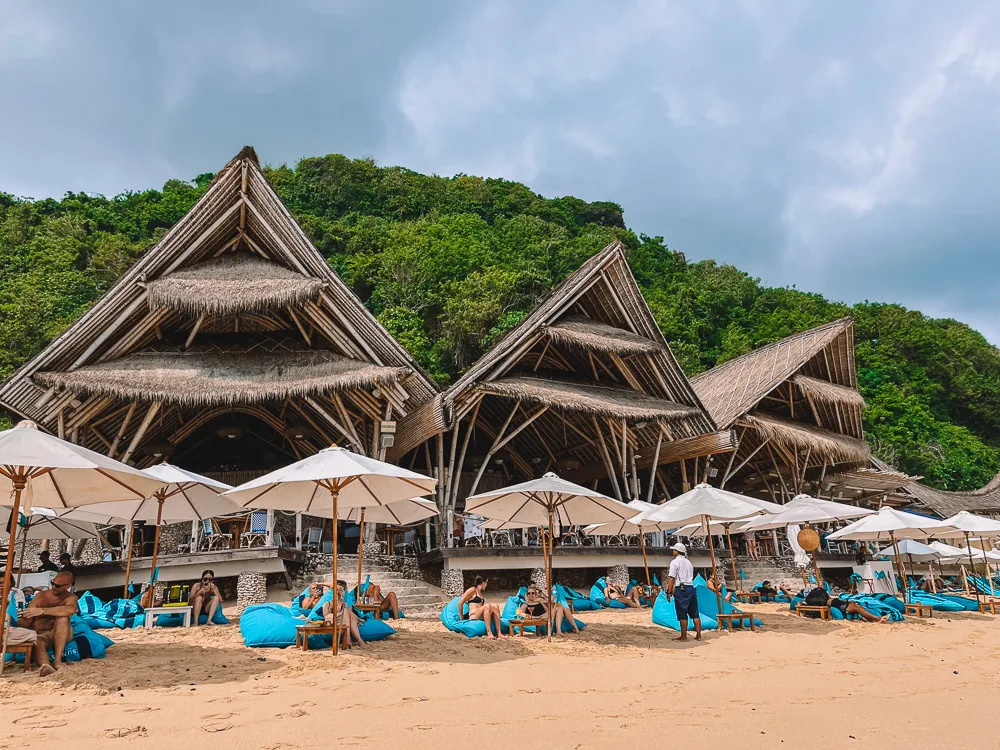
<point x="117" y="609"/>
<point x="452" y="620"/>
<point x="510" y="610"/>
<point x="176" y="619"/>
<point x="966" y="603"/>
<point x="708" y="605"/>
<point x="272" y="625"/>
<point x="597" y="596"/>
<point x="880" y="605"/>
<point x="89" y="605"/>
<point x="296" y="607"/>
<point x="85" y="644"/>
<point x="938" y="603"/>
<point x="665" y="615"/>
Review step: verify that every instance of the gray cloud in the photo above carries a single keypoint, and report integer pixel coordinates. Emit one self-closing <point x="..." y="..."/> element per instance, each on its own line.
<point x="844" y="148"/>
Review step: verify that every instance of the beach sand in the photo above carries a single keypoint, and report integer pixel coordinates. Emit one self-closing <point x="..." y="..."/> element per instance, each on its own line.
<point x="918" y="684"/>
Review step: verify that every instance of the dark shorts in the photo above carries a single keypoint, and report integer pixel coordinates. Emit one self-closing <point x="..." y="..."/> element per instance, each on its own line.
<point x="686" y="603"/>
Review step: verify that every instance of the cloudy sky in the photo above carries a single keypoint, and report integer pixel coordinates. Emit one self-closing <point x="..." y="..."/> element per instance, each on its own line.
<point x="842" y="147"/>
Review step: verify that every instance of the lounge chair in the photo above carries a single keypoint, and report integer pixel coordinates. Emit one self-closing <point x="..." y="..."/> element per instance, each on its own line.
<point x="257" y="535"/>
<point x="212" y="536"/>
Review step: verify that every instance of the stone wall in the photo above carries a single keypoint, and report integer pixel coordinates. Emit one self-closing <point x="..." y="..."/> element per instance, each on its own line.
<point x="92" y="552"/>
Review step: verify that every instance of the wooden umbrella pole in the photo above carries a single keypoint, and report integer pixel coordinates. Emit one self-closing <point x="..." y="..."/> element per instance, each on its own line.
<point x="972" y="567"/>
<point x="986" y="565"/>
<point x="732" y="557"/>
<point x="20" y="561"/>
<point x="156" y="538"/>
<point x="899" y="564"/>
<point x="819" y="577"/>
<point x="361" y="549"/>
<point x="334" y="494"/>
<point x="128" y="562"/>
<point x="19" y="482"/>
<point x="548" y="579"/>
<point x="645" y="561"/>
<point x="711" y="551"/>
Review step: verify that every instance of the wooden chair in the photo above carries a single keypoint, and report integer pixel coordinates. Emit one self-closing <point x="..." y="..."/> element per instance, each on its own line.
<point x="314" y="538"/>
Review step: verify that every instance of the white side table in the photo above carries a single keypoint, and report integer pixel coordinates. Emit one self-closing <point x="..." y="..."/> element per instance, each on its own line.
<point x="152" y="612"/>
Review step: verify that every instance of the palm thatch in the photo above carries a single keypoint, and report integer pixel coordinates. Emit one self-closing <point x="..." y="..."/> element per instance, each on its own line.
<point x="587" y="399"/>
<point x="821" y="444"/>
<point x="593" y="335"/>
<point x="943" y="503"/>
<point x="825" y="392"/>
<point x="203" y="379"/>
<point x="237" y="282"/>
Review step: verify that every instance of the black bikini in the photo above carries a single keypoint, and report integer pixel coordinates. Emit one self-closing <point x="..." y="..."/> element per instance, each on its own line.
<point x="535" y="610"/>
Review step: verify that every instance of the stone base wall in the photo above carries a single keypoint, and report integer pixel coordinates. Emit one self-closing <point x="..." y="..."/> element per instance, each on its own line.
<point x="453" y="582"/>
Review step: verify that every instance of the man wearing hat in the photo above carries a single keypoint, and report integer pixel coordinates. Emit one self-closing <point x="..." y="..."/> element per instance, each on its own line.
<point x="680" y="586"/>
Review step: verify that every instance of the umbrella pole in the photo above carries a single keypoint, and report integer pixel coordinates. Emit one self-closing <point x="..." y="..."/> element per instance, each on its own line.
<point x="645" y="562"/>
<point x="160" y="497"/>
<point x="899" y="565"/>
<point x="711" y="551"/>
<point x="732" y="557"/>
<point x="24" y="546"/>
<point x="128" y="562"/>
<point x="334" y="493"/>
<point x="986" y="564"/>
<point x="361" y="548"/>
<point x="548" y="581"/>
<point x="19" y="482"/>
<point x="930" y="569"/>
<point x="972" y="566"/>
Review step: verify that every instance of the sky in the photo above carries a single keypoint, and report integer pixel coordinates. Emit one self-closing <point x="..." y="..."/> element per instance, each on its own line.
<point x="843" y="147"/>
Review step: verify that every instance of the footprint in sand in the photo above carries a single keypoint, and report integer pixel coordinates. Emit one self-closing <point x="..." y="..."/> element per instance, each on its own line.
<point x="136" y="731"/>
<point x="303" y="704"/>
<point x="138" y="709"/>
<point x="221" y="699"/>
<point x="218" y="717"/>
<point x="295" y="713"/>
<point x="530" y="691"/>
<point x="45" y="717"/>
<point x="216" y="727"/>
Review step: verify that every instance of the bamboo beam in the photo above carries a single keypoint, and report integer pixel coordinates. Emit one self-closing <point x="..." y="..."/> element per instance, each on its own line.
<point x="493" y="449"/>
<point x="453" y="490"/>
<point x="121" y="430"/>
<point x="298" y="324"/>
<point x="607" y="460"/>
<point x="143" y="426"/>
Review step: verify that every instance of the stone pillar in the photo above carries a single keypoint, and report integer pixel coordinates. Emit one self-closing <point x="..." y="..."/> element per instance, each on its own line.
<point x="251" y="588"/>
<point x="452" y="582"/>
<point x="538" y="578"/>
<point x="618" y="574"/>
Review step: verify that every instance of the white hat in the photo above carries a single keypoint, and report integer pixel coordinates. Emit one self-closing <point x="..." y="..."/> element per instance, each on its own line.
<point x="680" y="548"/>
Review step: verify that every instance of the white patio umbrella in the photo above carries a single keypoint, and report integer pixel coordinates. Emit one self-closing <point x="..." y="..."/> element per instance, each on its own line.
<point x="545" y="502"/>
<point x="182" y="496"/>
<point x="915" y="552"/>
<point x="705" y="504"/>
<point x="970" y="525"/>
<point x="38" y="468"/>
<point x="805" y="509"/>
<point x="893" y="525"/>
<point x="328" y="479"/>
<point x="637" y="525"/>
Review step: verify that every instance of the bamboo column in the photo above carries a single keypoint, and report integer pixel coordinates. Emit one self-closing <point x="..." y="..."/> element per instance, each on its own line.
<point x="334" y="493"/>
<point x="19" y="481"/>
<point x="361" y="549"/>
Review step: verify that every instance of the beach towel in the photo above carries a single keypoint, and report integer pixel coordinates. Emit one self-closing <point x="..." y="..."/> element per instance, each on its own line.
<point x="665" y="615"/>
<point x="452" y="620"/>
<point x="597" y="596"/>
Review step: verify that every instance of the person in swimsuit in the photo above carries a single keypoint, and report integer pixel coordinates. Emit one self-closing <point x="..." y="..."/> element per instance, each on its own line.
<point x="480" y="609"/>
<point x="532" y="606"/>
<point x="560" y="612"/>
<point x="49" y="616"/>
<point x="715" y="588"/>
<point x="388" y="603"/>
<point x="205" y="598"/>
<point x="316" y="591"/>
<point x="613" y="593"/>
<point x="345" y="616"/>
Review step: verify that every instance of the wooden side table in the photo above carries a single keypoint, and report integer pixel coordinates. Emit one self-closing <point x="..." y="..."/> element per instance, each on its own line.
<point x="302" y="633"/>
<point x="989" y="605"/>
<point x="920" y="610"/>
<point x="731" y="617"/>
<point x="748" y="597"/>
<point x="524" y="622"/>
<point x="27" y="649"/>
<point x="374" y="609"/>
<point x="804" y="609"/>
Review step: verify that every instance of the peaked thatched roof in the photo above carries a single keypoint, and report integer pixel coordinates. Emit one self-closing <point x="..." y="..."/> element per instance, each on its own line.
<point x="232" y="283"/>
<point x="587" y="399"/>
<point x="825" y="392"/>
<point x="821" y="444"/>
<point x="735" y="387"/>
<point x="588" y="334"/>
<point x="945" y="504"/>
<point x="201" y="378"/>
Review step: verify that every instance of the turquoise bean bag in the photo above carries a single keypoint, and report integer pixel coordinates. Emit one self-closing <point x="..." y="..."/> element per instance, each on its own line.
<point x="597" y="596"/>
<point x="272" y="625"/>
<point x="967" y="604"/>
<point x="510" y="610"/>
<point x="89" y="606"/>
<point x="581" y="603"/>
<point x="297" y="603"/>
<point x="665" y="615"/>
<point x="85" y="644"/>
<point x="452" y="620"/>
<point x="708" y="605"/>
<point x="175" y="620"/>
<point x="938" y="603"/>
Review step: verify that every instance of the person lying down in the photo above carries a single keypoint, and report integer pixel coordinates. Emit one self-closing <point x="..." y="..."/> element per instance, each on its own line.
<point x="820" y="597"/>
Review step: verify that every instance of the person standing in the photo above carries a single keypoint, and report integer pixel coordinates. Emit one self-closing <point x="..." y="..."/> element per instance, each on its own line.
<point x="680" y="587"/>
<point x="46" y="563"/>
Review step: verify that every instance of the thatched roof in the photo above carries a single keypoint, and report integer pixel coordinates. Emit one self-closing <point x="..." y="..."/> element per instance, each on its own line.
<point x="735" y="387"/>
<point x="200" y="379"/>
<point x="587" y="399"/>
<point x="231" y="283"/>
<point x="825" y="392"/>
<point x="588" y="334"/>
<point x="821" y="444"/>
<point x="945" y="504"/>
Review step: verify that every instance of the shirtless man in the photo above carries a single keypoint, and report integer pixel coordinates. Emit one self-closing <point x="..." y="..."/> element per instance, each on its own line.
<point x="48" y="615"/>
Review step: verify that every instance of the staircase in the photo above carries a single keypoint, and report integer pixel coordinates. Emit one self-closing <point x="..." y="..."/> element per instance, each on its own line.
<point x="417" y="598"/>
<point x="773" y="569"/>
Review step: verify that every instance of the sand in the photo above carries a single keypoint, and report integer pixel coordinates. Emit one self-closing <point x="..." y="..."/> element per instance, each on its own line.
<point x="797" y="683"/>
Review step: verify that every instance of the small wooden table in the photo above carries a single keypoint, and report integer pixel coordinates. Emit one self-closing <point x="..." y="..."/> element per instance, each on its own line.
<point x="521" y="623"/>
<point x="375" y="609"/>
<point x="152" y="612"/>
<point x="804" y="609"/>
<point x="23" y="648"/>
<point x="989" y="605"/>
<point x="731" y="617"/>
<point x="748" y="597"/>
<point x="920" y="610"/>
<point x="302" y="633"/>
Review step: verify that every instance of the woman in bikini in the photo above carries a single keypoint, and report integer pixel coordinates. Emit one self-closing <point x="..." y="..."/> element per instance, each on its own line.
<point x="344" y="616"/>
<point x="480" y="609"/>
<point x="613" y="593"/>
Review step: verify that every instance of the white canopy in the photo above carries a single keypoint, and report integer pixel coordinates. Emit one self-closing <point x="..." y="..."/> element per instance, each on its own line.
<point x="43" y="523"/>
<point x="805" y="509"/>
<point x="531" y="502"/>
<point x="402" y="512"/>
<point x="63" y="475"/>
<point x="977" y="554"/>
<point x="912" y="550"/>
<point x="970" y="524"/>
<point x="638" y="524"/>
<point x="946" y="551"/>
<point x="305" y="486"/>
<point x="705" y="500"/>
<point x="186" y="497"/>
<point x="92" y="514"/>
<point x="889" y="521"/>
<point x="715" y="528"/>
<point x="492" y="524"/>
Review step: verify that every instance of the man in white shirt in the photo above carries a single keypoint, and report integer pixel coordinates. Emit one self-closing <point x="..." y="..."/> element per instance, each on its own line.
<point x="680" y="586"/>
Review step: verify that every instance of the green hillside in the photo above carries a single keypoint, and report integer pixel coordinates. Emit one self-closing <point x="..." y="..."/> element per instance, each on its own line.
<point x="450" y="264"/>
